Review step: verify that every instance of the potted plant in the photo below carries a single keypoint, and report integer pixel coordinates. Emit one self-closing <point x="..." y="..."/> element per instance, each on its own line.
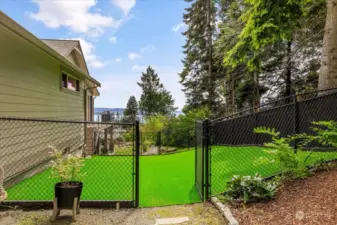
<point x="67" y="169"/>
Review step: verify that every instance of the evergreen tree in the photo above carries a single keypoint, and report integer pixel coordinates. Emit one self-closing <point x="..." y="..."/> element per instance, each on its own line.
<point x="131" y="110"/>
<point x="155" y="99"/>
<point x="195" y="77"/>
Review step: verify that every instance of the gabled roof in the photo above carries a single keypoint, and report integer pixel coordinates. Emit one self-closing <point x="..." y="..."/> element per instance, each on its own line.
<point x="11" y="25"/>
<point x="66" y="47"/>
<point x="63" y="47"/>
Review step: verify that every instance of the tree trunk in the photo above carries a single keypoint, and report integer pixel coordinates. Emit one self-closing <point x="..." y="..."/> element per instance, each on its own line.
<point x="210" y="58"/>
<point x="257" y="97"/>
<point x="328" y="72"/>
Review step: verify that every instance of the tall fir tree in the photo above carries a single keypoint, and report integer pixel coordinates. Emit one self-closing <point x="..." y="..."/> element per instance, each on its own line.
<point x="155" y="99"/>
<point x="198" y="85"/>
<point x="131" y="110"/>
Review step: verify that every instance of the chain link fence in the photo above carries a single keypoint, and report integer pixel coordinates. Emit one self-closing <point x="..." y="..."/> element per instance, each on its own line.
<point x="199" y="157"/>
<point x="167" y="141"/>
<point x="237" y="150"/>
<point x="108" y="150"/>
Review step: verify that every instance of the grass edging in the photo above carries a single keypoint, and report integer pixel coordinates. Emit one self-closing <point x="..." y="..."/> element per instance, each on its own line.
<point x="225" y="211"/>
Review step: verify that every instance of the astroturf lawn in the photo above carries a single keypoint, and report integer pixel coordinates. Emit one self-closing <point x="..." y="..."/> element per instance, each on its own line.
<point x="228" y="161"/>
<point x="164" y="180"/>
<point x="167" y="179"/>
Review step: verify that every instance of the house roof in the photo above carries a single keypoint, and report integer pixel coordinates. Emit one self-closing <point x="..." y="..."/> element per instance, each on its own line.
<point x="63" y="47"/>
<point x="10" y="24"/>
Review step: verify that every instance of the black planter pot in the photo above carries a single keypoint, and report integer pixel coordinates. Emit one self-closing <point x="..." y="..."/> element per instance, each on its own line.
<point x="66" y="192"/>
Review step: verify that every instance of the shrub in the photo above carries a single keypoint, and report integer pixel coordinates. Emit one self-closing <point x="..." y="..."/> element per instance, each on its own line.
<point x="282" y="152"/>
<point x="66" y="168"/>
<point x="250" y="189"/>
<point x="128" y="136"/>
<point x="146" y="145"/>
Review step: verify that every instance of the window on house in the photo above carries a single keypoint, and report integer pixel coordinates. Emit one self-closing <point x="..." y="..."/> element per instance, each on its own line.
<point x="70" y="83"/>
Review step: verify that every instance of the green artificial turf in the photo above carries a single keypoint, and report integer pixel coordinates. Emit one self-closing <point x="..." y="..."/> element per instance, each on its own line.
<point x="167" y="179"/>
<point x="164" y="179"/>
<point x="229" y="161"/>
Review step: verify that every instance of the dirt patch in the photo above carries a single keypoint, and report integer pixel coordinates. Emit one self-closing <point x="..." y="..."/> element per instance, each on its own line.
<point x="201" y="214"/>
<point x="310" y="201"/>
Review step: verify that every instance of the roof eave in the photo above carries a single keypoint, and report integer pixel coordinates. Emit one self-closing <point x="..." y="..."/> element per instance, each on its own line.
<point x="13" y="26"/>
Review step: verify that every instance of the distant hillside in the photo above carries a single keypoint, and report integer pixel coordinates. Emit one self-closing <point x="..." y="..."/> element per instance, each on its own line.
<point x="120" y="110"/>
<point x="100" y="110"/>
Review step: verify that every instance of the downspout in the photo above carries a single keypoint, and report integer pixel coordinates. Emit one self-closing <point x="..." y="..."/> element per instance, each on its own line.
<point x="86" y="98"/>
<point x="86" y="116"/>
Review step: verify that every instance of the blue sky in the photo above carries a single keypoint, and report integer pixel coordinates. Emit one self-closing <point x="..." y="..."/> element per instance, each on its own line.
<point x="120" y="38"/>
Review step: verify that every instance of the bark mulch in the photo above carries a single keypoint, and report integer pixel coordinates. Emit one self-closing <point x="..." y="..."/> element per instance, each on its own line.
<point x="309" y="201"/>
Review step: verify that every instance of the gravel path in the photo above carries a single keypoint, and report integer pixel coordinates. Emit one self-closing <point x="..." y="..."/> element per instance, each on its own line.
<point x="201" y="214"/>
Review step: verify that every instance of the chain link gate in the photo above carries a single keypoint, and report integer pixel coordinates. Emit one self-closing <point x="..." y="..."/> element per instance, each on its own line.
<point x="110" y="152"/>
<point x="202" y="159"/>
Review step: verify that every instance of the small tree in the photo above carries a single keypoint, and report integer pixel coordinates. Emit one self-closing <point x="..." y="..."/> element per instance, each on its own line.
<point x="131" y="111"/>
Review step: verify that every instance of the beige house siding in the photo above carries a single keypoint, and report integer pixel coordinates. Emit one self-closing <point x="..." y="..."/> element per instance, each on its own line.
<point x="30" y="86"/>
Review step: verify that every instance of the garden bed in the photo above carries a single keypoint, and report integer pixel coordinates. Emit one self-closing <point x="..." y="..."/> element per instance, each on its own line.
<point x="309" y="201"/>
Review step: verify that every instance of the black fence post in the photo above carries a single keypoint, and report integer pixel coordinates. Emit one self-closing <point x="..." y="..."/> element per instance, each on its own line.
<point x="195" y="151"/>
<point x="188" y="138"/>
<point x="296" y="120"/>
<point x="206" y="157"/>
<point x="137" y="163"/>
<point x="159" y="142"/>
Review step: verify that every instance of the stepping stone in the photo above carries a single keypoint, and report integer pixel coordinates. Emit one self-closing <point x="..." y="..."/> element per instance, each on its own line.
<point x="176" y="220"/>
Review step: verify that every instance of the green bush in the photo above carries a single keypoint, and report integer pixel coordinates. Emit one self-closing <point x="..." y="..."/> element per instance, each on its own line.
<point x="283" y="153"/>
<point x="128" y="136"/>
<point x="146" y="145"/>
<point x="250" y="189"/>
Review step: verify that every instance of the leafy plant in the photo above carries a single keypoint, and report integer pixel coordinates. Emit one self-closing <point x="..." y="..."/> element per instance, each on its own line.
<point x="326" y="133"/>
<point x="66" y="168"/>
<point x="283" y="153"/>
<point x="146" y="145"/>
<point x="250" y="189"/>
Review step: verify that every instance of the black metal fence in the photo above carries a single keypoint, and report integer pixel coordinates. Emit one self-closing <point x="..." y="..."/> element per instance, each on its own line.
<point x="167" y="141"/>
<point x="110" y="152"/>
<point x="235" y="149"/>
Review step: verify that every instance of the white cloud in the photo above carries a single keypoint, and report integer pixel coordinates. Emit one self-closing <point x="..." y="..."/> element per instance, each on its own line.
<point x="125" y="5"/>
<point x="134" y="56"/>
<point x="138" y="68"/>
<point x="89" y="55"/>
<point x="147" y="49"/>
<point x="75" y="15"/>
<point x="118" y="60"/>
<point x="113" y="40"/>
<point x="97" y="64"/>
<point x="179" y="26"/>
